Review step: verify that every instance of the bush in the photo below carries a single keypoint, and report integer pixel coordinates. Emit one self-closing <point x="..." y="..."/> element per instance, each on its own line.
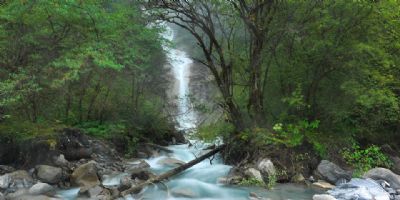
<point x="365" y="159"/>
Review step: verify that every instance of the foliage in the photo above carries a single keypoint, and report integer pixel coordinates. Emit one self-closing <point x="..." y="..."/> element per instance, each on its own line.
<point x="216" y="130"/>
<point x="365" y="159"/>
<point x="252" y="182"/>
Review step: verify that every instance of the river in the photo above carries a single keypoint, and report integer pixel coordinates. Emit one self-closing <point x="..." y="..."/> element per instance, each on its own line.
<point x="200" y="182"/>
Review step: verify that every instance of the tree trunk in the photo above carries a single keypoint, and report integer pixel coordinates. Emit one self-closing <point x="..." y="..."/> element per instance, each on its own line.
<point x="172" y="172"/>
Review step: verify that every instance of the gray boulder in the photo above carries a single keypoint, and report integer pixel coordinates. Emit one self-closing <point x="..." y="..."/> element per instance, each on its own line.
<point x="360" y="189"/>
<point x="42" y="189"/>
<point x="266" y="167"/>
<point x="331" y="172"/>
<point x="61" y="161"/>
<point x="49" y="174"/>
<point x="384" y="174"/>
<point x="85" y="176"/>
<point x="16" y="180"/>
<point x="254" y="174"/>
<point x="2" y="196"/>
<point x="323" y="197"/>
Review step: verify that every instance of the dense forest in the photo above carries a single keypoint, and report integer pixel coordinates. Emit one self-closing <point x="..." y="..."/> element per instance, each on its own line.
<point x="96" y="65"/>
<point x="321" y="77"/>
<point x="290" y="73"/>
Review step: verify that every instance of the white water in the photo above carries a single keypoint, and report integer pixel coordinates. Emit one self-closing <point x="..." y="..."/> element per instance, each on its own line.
<point x="200" y="182"/>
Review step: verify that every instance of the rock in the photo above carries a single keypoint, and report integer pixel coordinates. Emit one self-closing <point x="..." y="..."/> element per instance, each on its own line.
<point x="254" y="174"/>
<point x="2" y="196"/>
<point x="143" y="175"/>
<point x="341" y="181"/>
<point x="142" y="165"/>
<point x="49" y="174"/>
<point x="298" y="178"/>
<point x="85" y="176"/>
<point x="42" y="188"/>
<point x="125" y="183"/>
<point x="171" y="162"/>
<point x="384" y="174"/>
<point x="61" y="161"/>
<point x="95" y="191"/>
<point x="74" y="144"/>
<point x="360" y="189"/>
<point x="183" y="192"/>
<point x="266" y="167"/>
<point x="16" y="180"/>
<point x="322" y="184"/>
<point x="331" y="172"/>
<point x="323" y="197"/>
<point x="4" y="169"/>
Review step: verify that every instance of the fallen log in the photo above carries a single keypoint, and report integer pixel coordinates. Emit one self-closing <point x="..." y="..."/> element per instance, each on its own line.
<point x="172" y="172"/>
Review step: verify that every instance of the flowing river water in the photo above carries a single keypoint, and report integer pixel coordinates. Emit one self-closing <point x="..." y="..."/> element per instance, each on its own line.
<point x="199" y="182"/>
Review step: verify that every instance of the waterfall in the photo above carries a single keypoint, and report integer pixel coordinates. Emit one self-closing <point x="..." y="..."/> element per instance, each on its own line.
<point x="180" y="64"/>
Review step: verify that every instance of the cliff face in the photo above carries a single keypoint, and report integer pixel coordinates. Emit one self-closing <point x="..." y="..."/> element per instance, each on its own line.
<point x="204" y="94"/>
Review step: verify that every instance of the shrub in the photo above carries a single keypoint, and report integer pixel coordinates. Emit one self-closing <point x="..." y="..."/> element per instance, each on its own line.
<point x="365" y="159"/>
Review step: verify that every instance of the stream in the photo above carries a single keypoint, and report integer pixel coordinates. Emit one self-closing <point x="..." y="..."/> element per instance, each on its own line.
<point x="200" y="182"/>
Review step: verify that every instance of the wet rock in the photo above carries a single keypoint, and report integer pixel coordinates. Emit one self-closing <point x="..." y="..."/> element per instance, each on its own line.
<point x="61" y="161"/>
<point x="171" y="162"/>
<point x="331" y="172"/>
<point x="125" y="183"/>
<point x="16" y="180"/>
<point x="4" y="169"/>
<point x="266" y="167"/>
<point x="298" y="178"/>
<point x="323" y="197"/>
<point x="85" y="176"/>
<point x="183" y="192"/>
<point x="323" y="185"/>
<point x="253" y="174"/>
<point x="42" y="189"/>
<point x="142" y="175"/>
<point x="95" y="191"/>
<point x="384" y="174"/>
<point x="142" y="165"/>
<point x="360" y="189"/>
<point x="49" y="174"/>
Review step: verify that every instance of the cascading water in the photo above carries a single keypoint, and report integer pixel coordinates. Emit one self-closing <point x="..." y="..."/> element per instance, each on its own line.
<point x="200" y="181"/>
<point x="180" y="63"/>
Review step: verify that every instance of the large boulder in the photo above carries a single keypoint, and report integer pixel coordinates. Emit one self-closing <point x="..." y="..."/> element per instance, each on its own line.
<point x="42" y="189"/>
<point x="384" y="174"/>
<point x="49" y="174"/>
<point x="16" y="180"/>
<point x="85" y="176"/>
<point x="323" y="197"/>
<point x="360" y="189"/>
<point x="331" y="172"/>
